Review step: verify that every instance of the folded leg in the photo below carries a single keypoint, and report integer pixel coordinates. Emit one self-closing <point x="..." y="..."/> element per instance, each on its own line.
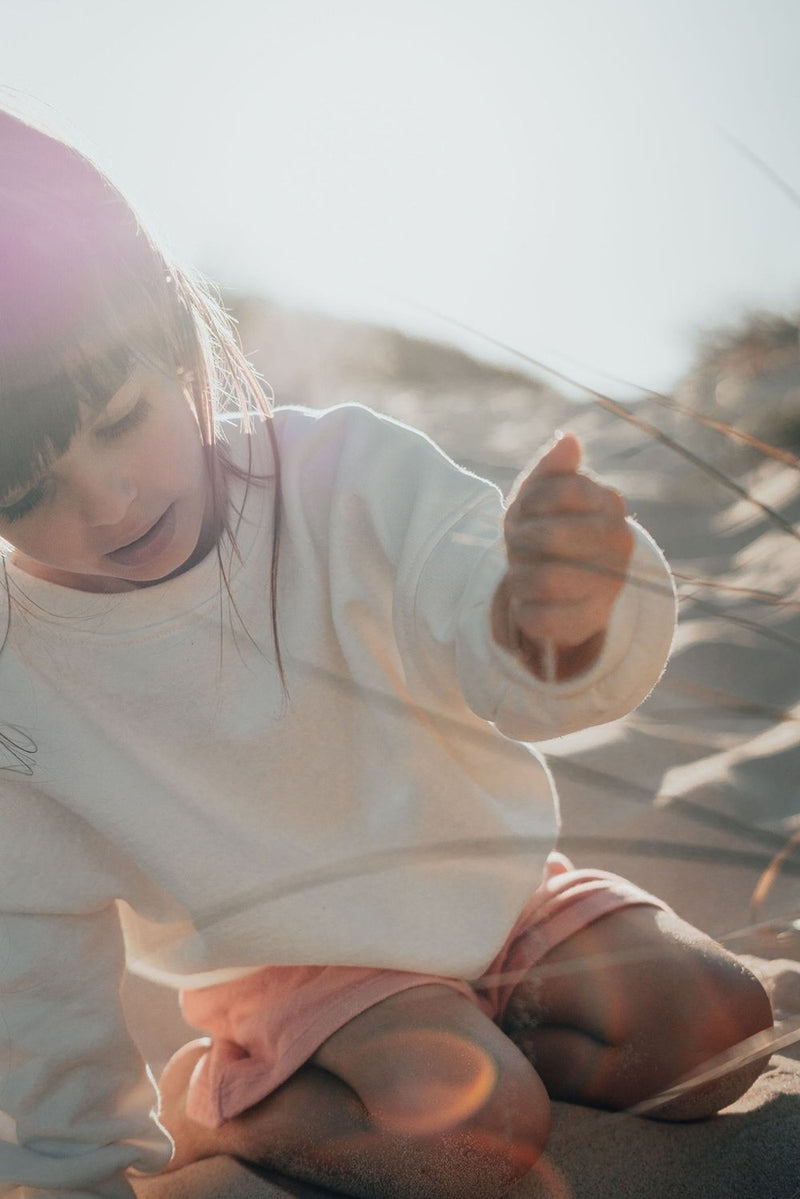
<point x="627" y="1005"/>
<point x="420" y="1095"/>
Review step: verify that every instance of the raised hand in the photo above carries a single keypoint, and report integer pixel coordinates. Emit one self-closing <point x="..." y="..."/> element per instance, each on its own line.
<point x="569" y="545"/>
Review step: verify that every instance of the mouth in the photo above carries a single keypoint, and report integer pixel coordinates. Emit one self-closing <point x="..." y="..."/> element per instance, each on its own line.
<point x="151" y="543"/>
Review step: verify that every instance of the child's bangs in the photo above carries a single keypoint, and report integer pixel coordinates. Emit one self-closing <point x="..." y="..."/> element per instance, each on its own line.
<point x="83" y="296"/>
<point x="48" y="386"/>
<point x="41" y="411"/>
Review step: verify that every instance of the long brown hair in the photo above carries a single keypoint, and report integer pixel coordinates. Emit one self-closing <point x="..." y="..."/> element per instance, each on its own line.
<point x="86" y="293"/>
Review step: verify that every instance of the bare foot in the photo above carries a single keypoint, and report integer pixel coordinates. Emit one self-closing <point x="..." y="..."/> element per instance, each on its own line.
<point x="193" y="1141"/>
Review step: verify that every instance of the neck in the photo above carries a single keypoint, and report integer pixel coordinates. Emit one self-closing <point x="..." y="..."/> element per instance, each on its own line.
<point x="65" y="578"/>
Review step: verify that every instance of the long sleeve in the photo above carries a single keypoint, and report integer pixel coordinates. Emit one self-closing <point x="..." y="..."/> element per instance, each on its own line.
<point x="400" y="510"/>
<point x="70" y="1076"/>
<point x="501" y="689"/>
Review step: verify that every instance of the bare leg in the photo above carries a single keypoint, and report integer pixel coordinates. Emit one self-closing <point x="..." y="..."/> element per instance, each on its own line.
<point x="630" y="1004"/>
<point x="223" y="1178"/>
<point x="420" y="1097"/>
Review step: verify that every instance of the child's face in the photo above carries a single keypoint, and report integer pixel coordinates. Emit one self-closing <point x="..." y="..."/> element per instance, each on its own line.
<point x="129" y="502"/>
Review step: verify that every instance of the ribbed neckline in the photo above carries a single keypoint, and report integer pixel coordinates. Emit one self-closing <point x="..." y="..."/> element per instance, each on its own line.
<point x="73" y="612"/>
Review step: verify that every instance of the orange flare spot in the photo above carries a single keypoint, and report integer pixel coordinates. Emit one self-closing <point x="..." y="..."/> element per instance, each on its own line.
<point x="444" y="1080"/>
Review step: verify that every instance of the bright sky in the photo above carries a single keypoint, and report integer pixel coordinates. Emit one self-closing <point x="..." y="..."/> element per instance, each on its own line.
<point x="553" y="173"/>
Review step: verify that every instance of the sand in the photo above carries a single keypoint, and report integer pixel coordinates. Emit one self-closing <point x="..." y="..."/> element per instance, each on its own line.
<point x="750" y="1151"/>
<point x="691" y="796"/>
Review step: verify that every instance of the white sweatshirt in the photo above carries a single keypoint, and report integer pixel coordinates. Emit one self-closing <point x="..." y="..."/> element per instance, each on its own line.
<point x="156" y="780"/>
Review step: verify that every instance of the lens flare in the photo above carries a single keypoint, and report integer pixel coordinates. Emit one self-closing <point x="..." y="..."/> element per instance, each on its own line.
<point x="445" y="1079"/>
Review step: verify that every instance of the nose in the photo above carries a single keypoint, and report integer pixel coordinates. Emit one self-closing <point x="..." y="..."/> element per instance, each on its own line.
<point x="105" y="496"/>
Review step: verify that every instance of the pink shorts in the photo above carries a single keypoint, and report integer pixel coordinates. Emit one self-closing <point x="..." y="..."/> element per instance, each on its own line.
<point x="265" y="1026"/>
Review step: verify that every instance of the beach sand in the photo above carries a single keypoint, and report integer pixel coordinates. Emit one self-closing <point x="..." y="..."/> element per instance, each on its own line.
<point x="750" y="1151"/>
<point x="692" y="796"/>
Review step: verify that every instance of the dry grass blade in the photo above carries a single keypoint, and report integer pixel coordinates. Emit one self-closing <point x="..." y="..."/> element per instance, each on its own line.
<point x="786" y="457"/>
<point x="761" y="165"/>
<point x="760" y="1046"/>
<point x="707" y="468"/>
<point x="764" y="447"/>
<point x="619" y="410"/>
<point x="744" y="623"/>
<point x="464" y="850"/>
<point x="767" y="879"/>
<point x="716" y="698"/>
<point x="764" y="597"/>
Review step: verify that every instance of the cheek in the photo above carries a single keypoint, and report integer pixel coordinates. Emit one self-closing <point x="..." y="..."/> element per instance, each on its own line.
<point x="179" y="454"/>
<point x="160" y="459"/>
<point x="54" y="538"/>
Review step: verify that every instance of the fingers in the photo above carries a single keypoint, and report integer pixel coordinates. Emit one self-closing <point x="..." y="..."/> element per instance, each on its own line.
<point x="556" y="485"/>
<point x="567" y="620"/>
<point x="569" y="545"/>
<point x="599" y="537"/>
<point x="566" y="494"/>
<point x="566" y="597"/>
<point x="563" y="457"/>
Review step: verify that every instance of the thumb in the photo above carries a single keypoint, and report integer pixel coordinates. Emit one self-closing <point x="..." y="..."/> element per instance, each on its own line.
<point x="563" y="457"/>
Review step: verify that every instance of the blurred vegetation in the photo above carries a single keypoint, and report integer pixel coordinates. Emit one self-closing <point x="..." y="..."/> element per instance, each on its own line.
<point x="489" y="417"/>
<point x="748" y="375"/>
<point x="494" y="418"/>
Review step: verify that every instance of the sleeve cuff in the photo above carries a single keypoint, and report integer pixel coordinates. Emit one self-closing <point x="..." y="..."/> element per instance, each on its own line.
<point x="501" y="689"/>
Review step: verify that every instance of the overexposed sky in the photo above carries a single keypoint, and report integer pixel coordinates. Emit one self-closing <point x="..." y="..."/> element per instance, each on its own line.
<point x="557" y="174"/>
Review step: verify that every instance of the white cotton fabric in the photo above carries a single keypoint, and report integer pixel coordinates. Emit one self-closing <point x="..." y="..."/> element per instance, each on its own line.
<point x="374" y="813"/>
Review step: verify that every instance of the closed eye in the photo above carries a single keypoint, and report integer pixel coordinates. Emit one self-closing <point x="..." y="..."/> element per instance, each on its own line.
<point x="130" y="420"/>
<point x="26" y="503"/>
<point x="35" y="495"/>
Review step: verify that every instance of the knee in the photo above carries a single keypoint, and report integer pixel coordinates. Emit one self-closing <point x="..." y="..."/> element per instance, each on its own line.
<point x="695" y="1000"/>
<point x="729" y="1001"/>
<point x="481" y="1118"/>
<point x="510" y="1131"/>
<point x="443" y="1093"/>
<point x="722" y="1004"/>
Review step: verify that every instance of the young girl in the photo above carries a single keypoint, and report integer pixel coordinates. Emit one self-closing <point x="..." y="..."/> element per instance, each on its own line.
<point x="265" y="689"/>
